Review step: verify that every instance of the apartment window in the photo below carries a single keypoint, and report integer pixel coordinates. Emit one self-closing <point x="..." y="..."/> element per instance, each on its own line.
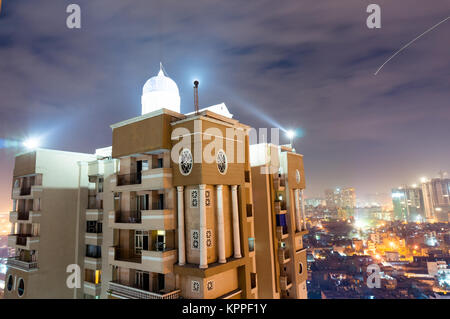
<point x="300" y="268"/>
<point x="93" y="251"/>
<point x="100" y="184"/>
<point x="145" y="165"/>
<point x="21" y="287"/>
<point x="9" y="283"/>
<point x="251" y="244"/>
<point x="35" y="230"/>
<point x="140" y="241"/>
<point x="98" y="277"/>
<point x="93" y="227"/>
<point x="281" y="220"/>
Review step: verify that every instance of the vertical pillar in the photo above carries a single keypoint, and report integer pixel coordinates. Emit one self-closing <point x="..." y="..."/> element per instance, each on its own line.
<point x="236" y="235"/>
<point x="203" y="248"/>
<point x="298" y="224"/>
<point x="13" y="228"/>
<point x="181" y="235"/>
<point x="302" y="207"/>
<point x="220" y="225"/>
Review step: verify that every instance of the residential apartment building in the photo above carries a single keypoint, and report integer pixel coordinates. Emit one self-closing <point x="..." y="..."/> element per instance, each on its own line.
<point x="46" y="200"/>
<point x="408" y="203"/>
<point x="341" y="199"/>
<point x="166" y="212"/>
<point x="280" y="223"/>
<point x="436" y="199"/>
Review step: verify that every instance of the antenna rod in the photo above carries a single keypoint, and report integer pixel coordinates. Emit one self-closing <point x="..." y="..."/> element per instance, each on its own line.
<point x="196" y="83"/>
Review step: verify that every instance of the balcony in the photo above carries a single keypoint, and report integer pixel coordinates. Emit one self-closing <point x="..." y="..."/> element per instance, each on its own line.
<point x="17" y="263"/>
<point x="151" y="260"/>
<point x="92" y="289"/>
<point x="282" y="232"/>
<point x="279" y="182"/>
<point x="96" y="168"/>
<point x="95" y="239"/>
<point x="285" y="283"/>
<point x="27" y="242"/>
<point x="126" y="292"/>
<point x="283" y="256"/>
<point x="279" y="207"/>
<point x="26" y="217"/>
<point x="129" y="179"/>
<point x="253" y="281"/>
<point x="25" y="192"/>
<point x="92" y="262"/>
<point x="151" y="179"/>
<point x="158" y="219"/>
<point x="94" y="214"/>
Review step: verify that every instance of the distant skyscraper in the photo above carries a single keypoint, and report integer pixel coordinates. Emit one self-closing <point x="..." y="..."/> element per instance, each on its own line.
<point x="341" y="198"/>
<point x="408" y="203"/>
<point x="436" y="199"/>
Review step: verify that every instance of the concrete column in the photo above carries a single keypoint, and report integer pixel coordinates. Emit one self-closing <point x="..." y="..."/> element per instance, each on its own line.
<point x="236" y="235"/>
<point x="202" y="209"/>
<point x="298" y="224"/>
<point x="181" y="235"/>
<point x="220" y="225"/>
<point x="13" y="228"/>
<point x="302" y="207"/>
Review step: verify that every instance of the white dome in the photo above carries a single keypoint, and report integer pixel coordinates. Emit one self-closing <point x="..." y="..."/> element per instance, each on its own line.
<point x="160" y="92"/>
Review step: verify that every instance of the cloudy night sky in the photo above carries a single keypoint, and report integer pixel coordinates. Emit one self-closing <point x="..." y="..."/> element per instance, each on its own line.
<point x="304" y="64"/>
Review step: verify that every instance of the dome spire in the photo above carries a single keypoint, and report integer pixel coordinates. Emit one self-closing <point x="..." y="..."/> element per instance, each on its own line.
<point x="161" y="70"/>
<point x="160" y="92"/>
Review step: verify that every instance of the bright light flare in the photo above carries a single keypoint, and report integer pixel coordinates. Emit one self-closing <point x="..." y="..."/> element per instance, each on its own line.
<point x="290" y="134"/>
<point x="31" y="143"/>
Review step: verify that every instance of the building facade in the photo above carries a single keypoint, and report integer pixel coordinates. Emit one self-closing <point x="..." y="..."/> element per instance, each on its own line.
<point x="436" y="199"/>
<point x="408" y="203"/>
<point x="280" y="222"/>
<point x="44" y="238"/>
<point x="166" y="212"/>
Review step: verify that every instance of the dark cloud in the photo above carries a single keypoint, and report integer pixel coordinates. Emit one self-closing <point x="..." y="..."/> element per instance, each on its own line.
<point x="305" y="64"/>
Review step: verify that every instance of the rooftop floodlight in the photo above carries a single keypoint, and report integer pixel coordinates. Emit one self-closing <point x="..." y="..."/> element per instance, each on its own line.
<point x="31" y="143"/>
<point x="290" y="134"/>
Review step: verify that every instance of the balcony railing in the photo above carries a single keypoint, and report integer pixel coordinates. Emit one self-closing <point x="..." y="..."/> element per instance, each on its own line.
<point x="22" y="239"/>
<point x="131" y="217"/>
<point x="136" y="293"/>
<point x="25" y="265"/>
<point x="129" y="179"/>
<point x="24" y="191"/>
<point x="23" y="215"/>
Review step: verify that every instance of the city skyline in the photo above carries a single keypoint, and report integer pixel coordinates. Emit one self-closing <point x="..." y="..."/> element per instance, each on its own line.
<point x="354" y="127"/>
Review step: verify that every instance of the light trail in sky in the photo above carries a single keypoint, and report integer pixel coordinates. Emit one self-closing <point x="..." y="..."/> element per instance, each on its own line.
<point x="409" y="43"/>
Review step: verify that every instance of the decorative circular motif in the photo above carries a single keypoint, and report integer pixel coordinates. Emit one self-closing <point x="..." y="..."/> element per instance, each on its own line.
<point x="21" y="287"/>
<point x="222" y="162"/>
<point x="297" y="176"/>
<point x="9" y="282"/>
<point x="300" y="268"/>
<point x="185" y="162"/>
